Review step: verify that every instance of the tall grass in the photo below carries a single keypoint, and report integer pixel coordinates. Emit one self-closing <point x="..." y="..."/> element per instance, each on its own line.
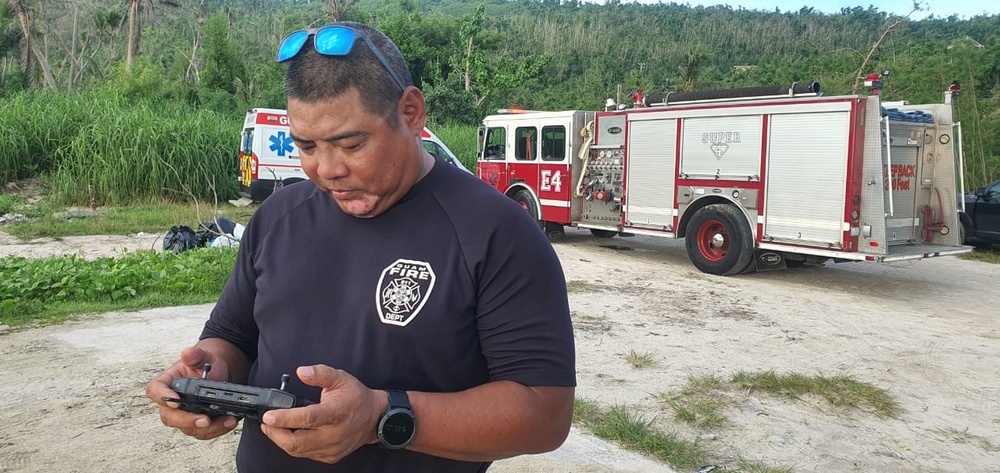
<point x="137" y="153"/>
<point x="35" y="127"/>
<point x="124" y="150"/>
<point x="461" y="140"/>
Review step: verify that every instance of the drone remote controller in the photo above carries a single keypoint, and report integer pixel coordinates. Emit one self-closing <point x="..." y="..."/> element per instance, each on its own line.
<point x="218" y="398"/>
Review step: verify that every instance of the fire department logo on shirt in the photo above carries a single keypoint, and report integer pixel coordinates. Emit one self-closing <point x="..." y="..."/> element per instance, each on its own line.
<point x="402" y="291"/>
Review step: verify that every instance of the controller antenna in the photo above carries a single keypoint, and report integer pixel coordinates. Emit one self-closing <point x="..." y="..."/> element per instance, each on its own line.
<point x="206" y="369"/>
<point x="284" y="381"/>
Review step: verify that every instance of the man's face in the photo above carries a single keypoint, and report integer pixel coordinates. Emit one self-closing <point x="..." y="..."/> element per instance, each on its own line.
<point x="364" y="163"/>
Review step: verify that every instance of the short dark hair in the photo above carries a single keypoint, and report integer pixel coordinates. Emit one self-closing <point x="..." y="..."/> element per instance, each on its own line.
<point x="312" y="77"/>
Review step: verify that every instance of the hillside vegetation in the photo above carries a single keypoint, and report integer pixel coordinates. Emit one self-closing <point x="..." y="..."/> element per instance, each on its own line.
<point x="105" y="94"/>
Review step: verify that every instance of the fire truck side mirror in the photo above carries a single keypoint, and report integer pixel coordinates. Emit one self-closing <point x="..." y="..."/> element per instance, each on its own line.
<point x="481" y="142"/>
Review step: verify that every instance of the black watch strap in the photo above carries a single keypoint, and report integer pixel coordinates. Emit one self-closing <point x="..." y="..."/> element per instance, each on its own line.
<point x="398" y="425"/>
<point x="398" y="400"/>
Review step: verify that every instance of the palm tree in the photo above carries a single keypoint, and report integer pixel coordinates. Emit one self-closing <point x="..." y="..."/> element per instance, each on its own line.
<point x="20" y="8"/>
<point x="136" y="9"/>
<point x="337" y="10"/>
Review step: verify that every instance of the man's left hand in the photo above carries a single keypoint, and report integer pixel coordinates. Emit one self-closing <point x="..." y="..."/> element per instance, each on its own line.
<point x="344" y="420"/>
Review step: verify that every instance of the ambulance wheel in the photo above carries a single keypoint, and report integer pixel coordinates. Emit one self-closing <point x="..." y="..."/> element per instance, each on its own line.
<point x="719" y="241"/>
<point x="524" y="199"/>
<point x="602" y="233"/>
<point x="290" y="181"/>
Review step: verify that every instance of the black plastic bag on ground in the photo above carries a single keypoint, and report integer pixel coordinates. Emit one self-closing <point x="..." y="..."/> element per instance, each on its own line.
<point x="210" y="229"/>
<point x="180" y="238"/>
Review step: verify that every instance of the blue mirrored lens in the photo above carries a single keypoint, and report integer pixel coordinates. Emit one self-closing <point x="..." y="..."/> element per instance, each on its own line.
<point x="335" y="40"/>
<point x="291" y="45"/>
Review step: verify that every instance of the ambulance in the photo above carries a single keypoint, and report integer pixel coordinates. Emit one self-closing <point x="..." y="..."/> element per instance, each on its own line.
<point x="269" y="159"/>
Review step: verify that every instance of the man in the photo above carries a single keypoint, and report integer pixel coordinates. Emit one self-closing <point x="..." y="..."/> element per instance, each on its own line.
<point x="389" y="272"/>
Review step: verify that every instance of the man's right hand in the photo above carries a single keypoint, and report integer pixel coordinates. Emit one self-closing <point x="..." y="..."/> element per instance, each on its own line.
<point x="199" y="426"/>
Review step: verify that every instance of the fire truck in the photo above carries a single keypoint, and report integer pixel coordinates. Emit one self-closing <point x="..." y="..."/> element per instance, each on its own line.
<point x="269" y="158"/>
<point x="753" y="179"/>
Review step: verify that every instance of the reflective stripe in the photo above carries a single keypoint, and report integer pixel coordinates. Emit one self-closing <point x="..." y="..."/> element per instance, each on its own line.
<point x="555" y="203"/>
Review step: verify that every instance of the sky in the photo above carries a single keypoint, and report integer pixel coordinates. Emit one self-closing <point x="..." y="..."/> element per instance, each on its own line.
<point x="939" y="8"/>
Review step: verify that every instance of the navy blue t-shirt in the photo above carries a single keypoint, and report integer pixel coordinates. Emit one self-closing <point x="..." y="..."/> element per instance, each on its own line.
<point x="453" y="287"/>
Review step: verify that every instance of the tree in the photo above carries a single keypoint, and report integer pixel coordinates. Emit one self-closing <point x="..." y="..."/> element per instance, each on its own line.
<point x="224" y="68"/>
<point x="470" y="28"/>
<point x="337" y="10"/>
<point x="860" y="75"/>
<point x="20" y="8"/>
<point x="136" y="10"/>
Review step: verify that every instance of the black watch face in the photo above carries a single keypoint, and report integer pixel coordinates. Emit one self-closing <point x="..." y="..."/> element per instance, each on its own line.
<point x="397" y="428"/>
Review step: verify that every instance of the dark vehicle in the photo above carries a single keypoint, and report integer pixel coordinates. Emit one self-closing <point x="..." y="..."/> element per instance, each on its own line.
<point x="981" y="219"/>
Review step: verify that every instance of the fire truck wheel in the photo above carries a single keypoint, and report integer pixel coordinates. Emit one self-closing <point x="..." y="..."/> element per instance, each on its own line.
<point x="795" y="263"/>
<point x="602" y="233"/>
<point x="554" y="231"/>
<point x="524" y="199"/>
<point x="719" y="241"/>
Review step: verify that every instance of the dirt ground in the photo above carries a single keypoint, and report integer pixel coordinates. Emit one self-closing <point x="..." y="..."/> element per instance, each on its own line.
<point x="71" y="396"/>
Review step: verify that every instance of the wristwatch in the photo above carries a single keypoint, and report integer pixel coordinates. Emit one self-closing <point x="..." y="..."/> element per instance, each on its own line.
<point x="398" y="425"/>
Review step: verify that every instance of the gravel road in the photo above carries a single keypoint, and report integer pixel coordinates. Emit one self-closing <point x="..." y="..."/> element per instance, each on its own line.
<point x="71" y="396"/>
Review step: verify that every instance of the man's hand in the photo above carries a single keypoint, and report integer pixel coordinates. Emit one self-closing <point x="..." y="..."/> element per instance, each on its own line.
<point x="199" y="426"/>
<point x="344" y="420"/>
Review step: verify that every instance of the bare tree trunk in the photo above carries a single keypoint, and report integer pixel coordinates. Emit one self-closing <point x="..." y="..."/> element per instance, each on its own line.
<point x="134" y="33"/>
<point x="859" y="77"/>
<point x="25" y="17"/>
<point x="468" y="66"/>
<point x="192" y="69"/>
<point x="72" y="48"/>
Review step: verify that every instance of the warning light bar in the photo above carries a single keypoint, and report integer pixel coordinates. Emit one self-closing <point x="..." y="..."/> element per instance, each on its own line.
<point x="515" y="110"/>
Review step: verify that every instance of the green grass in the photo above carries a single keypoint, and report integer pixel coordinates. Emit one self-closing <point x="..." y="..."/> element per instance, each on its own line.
<point x="700" y="402"/>
<point x="46" y="219"/>
<point x="747" y="466"/>
<point x="461" y="140"/>
<point x="124" y="151"/>
<point x="840" y="391"/>
<point x="583" y="286"/>
<point x="640" y="360"/>
<point x="10" y="203"/>
<point x="986" y="254"/>
<point x="703" y="400"/>
<point x="633" y="432"/>
<point x="50" y="290"/>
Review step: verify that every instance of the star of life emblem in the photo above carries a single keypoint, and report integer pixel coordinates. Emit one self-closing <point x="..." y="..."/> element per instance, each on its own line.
<point x="403" y="289"/>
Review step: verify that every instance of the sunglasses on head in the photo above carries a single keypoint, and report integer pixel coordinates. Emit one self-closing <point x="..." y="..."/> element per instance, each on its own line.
<point x="332" y="40"/>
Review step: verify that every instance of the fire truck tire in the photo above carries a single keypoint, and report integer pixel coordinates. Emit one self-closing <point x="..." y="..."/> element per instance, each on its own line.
<point x="602" y="233"/>
<point x="524" y="199"/>
<point x="719" y="241"/>
<point x="554" y="231"/>
<point x="795" y="263"/>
